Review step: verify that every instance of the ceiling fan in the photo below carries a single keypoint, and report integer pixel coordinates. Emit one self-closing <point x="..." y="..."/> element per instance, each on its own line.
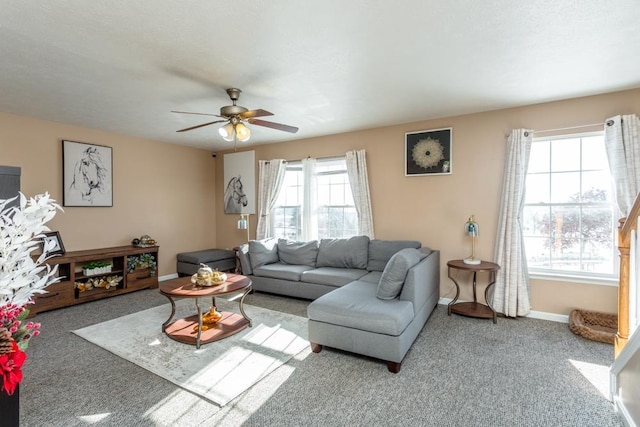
<point x="236" y="117"/>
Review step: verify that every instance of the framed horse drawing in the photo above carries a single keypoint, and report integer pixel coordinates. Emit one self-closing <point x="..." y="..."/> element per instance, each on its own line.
<point x="87" y="174"/>
<point x="239" y="183"/>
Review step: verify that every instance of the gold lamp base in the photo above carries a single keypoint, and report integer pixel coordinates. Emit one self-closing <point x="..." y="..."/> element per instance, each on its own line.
<point x="471" y="261"/>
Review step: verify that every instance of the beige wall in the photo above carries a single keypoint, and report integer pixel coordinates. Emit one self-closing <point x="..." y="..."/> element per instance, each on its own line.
<point x="168" y="191"/>
<point x="162" y="190"/>
<point x="433" y="209"/>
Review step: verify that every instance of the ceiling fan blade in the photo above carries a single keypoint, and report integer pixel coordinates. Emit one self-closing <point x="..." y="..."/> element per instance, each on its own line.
<point x="199" y="126"/>
<point x="278" y="126"/>
<point x="200" y="114"/>
<point x="255" y="113"/>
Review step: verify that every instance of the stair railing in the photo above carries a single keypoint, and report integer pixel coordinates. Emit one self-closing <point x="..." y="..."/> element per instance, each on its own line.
<point x="625" y="228"/>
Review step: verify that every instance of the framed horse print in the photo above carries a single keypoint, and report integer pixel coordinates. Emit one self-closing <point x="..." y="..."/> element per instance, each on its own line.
<point x="240" y="183"/>
<point x="428" y="152"/>
<point x="87" y="176"/>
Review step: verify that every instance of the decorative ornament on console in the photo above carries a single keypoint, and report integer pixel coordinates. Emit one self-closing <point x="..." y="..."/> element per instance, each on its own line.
<point x="144" y="242"/>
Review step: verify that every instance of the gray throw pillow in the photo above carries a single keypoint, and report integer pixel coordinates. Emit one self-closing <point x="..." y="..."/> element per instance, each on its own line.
<point x="395" y="272"/>
<point x="298" y="253"/>
<point x="344" y="253"/>
<point x="381" y="251"/>
<point x="263" y="252"/>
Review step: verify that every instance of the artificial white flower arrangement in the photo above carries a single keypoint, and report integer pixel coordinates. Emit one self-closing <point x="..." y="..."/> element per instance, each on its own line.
<point x="21" y="233"/>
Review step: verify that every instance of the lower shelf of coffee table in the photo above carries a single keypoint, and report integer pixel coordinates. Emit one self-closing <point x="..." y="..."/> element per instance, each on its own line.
<point x="184" y="330"/>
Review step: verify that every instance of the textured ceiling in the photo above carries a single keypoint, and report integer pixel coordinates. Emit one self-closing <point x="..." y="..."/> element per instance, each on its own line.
<point x="328" y="67"/>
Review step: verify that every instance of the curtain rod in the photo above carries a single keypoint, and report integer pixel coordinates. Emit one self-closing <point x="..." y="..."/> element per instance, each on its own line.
<point x="317" y="158"/>
<point x="569" y="128"/>
<point x="322" y="158"/>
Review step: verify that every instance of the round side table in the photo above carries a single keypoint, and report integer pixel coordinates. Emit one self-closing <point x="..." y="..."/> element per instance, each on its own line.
<point x="473" y="308"/>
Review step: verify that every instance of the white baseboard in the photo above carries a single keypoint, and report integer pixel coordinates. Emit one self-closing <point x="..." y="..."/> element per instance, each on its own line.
<point x="168" y="277"/>
<point x="554" y="317"/>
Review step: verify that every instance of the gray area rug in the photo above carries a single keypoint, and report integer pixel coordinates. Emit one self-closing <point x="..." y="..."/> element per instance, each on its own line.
<point x="218" y="371"/>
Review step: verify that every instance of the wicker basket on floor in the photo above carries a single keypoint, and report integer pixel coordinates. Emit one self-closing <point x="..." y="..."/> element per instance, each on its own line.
<point x="594" y="325"/>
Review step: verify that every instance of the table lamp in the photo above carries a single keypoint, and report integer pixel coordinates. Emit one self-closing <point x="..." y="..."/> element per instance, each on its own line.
<point x="472" y="229"/>
<point x="243" y="223"/>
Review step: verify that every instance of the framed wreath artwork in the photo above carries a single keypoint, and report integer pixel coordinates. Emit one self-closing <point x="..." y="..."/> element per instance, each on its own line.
<point x="428" y="152"/>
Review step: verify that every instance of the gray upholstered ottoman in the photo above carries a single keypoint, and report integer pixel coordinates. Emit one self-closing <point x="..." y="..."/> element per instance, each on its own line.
<point x="222" y="259"/>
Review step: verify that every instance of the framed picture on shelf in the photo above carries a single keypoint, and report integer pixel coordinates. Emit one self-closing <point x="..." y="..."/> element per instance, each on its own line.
<point x="87" y="178"/>
<point x="428" y="152"/>
<point x="53" y="238"/>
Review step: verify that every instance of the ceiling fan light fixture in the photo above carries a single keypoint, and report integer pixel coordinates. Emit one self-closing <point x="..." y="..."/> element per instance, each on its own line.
<point x="243" y="132"/>
<point x="227" y="132"/>
<point x="235" y="117"/>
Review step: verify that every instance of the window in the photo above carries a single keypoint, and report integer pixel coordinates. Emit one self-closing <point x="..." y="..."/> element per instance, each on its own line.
<point x="568" y="217"/>
<point x="321" y="207"/>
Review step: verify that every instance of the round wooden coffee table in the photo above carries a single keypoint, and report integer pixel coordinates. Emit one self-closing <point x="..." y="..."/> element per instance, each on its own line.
<point x="190" y="329"/>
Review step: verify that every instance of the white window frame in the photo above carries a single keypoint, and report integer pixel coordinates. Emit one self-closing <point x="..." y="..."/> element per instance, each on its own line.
<point x="310" y="205"/>
<point x="574" y="276"/>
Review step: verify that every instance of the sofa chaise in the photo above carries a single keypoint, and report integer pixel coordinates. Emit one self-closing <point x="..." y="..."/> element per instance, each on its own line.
<point x="371" y="297"/>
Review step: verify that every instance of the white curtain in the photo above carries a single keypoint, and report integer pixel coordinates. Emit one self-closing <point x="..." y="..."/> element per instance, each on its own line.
<point x="357" y="171"/>
<point x="511" y="290"/>
<point x="622" y="142"/>
<point x="310" y="208"/>
<point x="271" y="176"/>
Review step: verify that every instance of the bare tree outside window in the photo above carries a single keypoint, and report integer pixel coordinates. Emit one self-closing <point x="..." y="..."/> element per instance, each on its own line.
<point x="334" y="211"/>
<point x="568" y="217"/>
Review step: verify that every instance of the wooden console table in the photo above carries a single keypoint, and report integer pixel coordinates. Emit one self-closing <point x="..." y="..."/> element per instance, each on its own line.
<point x="70" y="271"/>
<point x="473" y="308"/>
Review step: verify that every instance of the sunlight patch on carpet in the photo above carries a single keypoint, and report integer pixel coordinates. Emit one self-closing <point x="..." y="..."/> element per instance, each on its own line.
<point x="218" y="371"/>
<point x="597" y="375"/>
<point x="95" y="418"/>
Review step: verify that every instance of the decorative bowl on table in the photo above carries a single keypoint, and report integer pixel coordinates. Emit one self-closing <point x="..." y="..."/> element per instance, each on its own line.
<point x="208" y="277"/>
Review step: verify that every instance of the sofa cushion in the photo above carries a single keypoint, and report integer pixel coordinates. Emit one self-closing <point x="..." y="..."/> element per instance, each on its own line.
<point x="395" y="272"/>
<point x="356" y="306"/>
<point x="372" y="277"/>
<point x="381" y="251"/>
<point x="344" y="253"/>
<point x="281" y="271"/>
<point x="263" y="252"/>
<point x="298" y="253"/>
<point x="332" y="276"/>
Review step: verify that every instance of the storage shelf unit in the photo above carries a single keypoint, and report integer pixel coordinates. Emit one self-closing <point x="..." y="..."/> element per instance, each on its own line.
<point x="64" y="293"/>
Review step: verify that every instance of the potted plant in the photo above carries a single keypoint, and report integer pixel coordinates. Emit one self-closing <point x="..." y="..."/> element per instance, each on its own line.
<point x="142" y="261"/>
<point x="96" y="267"/>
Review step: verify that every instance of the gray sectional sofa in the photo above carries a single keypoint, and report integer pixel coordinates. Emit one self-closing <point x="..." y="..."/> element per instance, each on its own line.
<point x="371" y="297"/>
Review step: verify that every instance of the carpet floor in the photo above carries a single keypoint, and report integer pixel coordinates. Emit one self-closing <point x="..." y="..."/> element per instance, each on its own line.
<point x="459" y="372"/>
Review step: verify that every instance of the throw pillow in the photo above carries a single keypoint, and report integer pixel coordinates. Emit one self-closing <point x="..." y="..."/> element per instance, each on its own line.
<point x="381" y="251"/>
<point x="298" y="253"/>
<point x="395" y="272"/>
<point x="263" y="252"/>
<point x="344" y="253"/>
